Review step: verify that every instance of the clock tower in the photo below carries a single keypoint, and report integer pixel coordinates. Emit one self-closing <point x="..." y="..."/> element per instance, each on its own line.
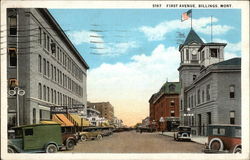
<point x="189" y="67"/>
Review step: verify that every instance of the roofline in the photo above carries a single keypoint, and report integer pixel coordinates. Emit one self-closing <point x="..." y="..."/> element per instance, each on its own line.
<point x="45" y="12"/>
<point x="211" y="44"/>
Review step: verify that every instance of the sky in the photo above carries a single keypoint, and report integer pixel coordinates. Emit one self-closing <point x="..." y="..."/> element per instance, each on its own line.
<point x="132" y="52"/>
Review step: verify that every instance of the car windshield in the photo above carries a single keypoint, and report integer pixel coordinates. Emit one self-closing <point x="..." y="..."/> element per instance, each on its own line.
<point x="185" y="129"/>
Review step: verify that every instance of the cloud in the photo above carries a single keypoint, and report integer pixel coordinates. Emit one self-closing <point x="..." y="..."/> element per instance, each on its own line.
<point x="123" y="83"/>
<point x="201" y="25"/>
<point x="107" y="49"/>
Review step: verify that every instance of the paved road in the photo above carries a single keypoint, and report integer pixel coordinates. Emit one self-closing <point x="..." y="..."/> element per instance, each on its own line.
<point x="134" y="142"/>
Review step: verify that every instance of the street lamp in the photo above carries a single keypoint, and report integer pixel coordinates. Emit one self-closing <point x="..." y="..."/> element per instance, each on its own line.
<point x="18" y="92"/>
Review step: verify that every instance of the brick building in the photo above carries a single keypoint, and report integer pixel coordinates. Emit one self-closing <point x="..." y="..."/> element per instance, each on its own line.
<point x="105" y="108"/>
<point x="164" y="107"/>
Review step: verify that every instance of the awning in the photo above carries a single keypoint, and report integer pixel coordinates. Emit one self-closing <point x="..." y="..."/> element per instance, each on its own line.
<point x="78" y="121"/>
<point x="48" y="122"/>
<point x="62" y="119"/>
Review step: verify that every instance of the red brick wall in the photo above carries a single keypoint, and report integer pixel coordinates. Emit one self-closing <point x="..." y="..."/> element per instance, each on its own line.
<point x="162" y="108"/>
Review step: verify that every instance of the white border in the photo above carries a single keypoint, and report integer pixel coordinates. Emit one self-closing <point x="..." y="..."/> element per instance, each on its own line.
<point x="243" y="5"/>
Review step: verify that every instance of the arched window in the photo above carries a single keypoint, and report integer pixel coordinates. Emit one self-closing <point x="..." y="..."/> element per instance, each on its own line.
<point x="232" y="91"/>
<point x="171" y="87"/>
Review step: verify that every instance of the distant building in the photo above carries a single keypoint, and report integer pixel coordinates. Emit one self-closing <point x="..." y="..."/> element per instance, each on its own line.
<point x="93" y="116"/>
<point x="43" y="62"/>
<point x="164" y="107"/>
<point x="118" y="123"/>
<point x="145" y="122"/>
<point x="210" y="86"/>
<point x="105" y="108"/>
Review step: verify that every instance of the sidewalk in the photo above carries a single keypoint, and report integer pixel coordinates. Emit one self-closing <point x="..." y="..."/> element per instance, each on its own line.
<point x="196" y="139"/>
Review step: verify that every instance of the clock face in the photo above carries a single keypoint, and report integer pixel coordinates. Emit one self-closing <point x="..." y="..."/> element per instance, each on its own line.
<point x="193" y="51"/>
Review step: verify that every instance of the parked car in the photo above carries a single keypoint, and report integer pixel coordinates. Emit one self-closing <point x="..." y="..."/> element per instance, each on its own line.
<point x="69" y="137"/>
<point x="183" y="133"/>
<point x="36" y="138"/>
<point x="106" y="131"/>
<point x="141" y="129"/>
<point x="90" y="133"/>
<point x="223" y="139"/>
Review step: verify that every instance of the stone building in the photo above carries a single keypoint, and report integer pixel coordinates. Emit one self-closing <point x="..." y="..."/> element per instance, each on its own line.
<point x="210" y="86"/>
<point x="43" y="62"/>
<point x="105" y="108"/>
<point x="164" y="107"/>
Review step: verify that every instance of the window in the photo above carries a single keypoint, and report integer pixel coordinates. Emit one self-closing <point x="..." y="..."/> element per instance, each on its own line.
<point x="219" y="131"/>
<point x="48" y="71"/>
<point x="55" y="96"/>
<point x="58" y="98"/>
<point x="208" y="92"/>
<point x="181" y="105"/>
<point x="214" y="52"/>
<point x="192" y="103"/>
<point x="209" y="118"/>
<point x="232" y="117"/>
<point x="40" y="91"/>
<point x="58" y="75"/>
<point x="13" y="25"/>
<point x="52" y="96"/>
<point x="13" y="57"/>
<point x="40" y="63"/>
<point x="44" y="92"/>
<point x="199" y="96"/>
<point x="55" y="73"/>
<point x="34" y="115"/>
<point x="44" y="40"/>
<point x="232" y="91"/>
<point x="48" y="96"/>
<point x="171" y="87"/>
<point x="40" y="35"/>
<point x="44" y="66"/>
<point x="187" y="54"/>
<point x="172" y="113"/>
<point x="203" y="96"/>
<point x="194" y="77"/>
<point x="53" y="47"/>
<point x="52" y="73"/>
<point x="48" y="47"/>
<point x="28" y="132"/>
<point x="202" y="55"/>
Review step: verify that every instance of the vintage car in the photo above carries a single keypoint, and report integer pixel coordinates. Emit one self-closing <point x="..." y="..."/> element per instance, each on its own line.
<point x="223" y="139"/>
<point x="183" y="133"/>
<point x="69" y="137"/>
<point x="106" y="131"/>
<point x="90" y="133"/>
<point x="36" y="138"/>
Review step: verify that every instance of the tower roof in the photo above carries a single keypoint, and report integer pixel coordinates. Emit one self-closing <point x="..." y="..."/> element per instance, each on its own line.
<point x="191" y="37"/>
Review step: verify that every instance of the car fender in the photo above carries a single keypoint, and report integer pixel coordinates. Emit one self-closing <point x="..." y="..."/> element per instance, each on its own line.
<point x="71" y="138"/>
<point x="216" y="139"/>
<point x="236" y="147"/>
<point x="17" y="149"/>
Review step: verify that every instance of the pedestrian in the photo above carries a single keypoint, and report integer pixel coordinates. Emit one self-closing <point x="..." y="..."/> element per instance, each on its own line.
<point x="141" y="131"/>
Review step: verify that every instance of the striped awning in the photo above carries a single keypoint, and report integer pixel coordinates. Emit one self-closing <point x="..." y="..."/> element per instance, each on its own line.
<point x="62" y="119"/>
<point x="77" y="120"/>
<point x="48" y="122"/>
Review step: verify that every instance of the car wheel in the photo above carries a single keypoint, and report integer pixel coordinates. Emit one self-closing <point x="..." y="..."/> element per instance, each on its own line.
<point x="237" y="149"/>
<point x="70" y="144"/>
<point x="83" y="138"/>
<point x="184" y="135"/>
<point x="216" y="144"/>
<point x="51" y="148"/>
<point x="99" y="137"/>
<point x="11" y="150"/>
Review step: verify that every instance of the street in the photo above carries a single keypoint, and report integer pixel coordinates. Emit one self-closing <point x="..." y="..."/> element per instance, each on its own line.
<point x="134" y="142"/>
